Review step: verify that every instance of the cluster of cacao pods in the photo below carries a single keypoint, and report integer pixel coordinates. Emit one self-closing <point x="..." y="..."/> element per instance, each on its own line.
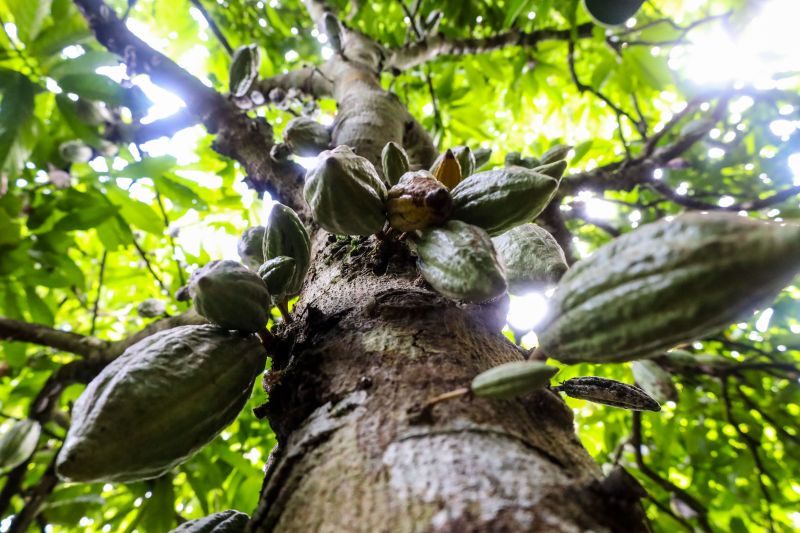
<point x="473" y="232"/>
<point x="171" y="393"/>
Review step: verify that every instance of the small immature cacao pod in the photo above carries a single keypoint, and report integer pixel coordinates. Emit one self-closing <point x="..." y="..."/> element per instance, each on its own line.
<point x="395" y="162"/>
<point x="231" y="296"/>
<point x="75" y="152"/>
<point x="612" y="13"/>
<point x="333" y="30"/>
<point x="608" y="392"/>
<point x="244" y="70"/>
<point x="417" y="202"/>
<point x="498" y="200"/>
<point x="151" y="308"/>
<point x="287" y="236"/>
<point x="306" y="137"/>
<point x="482" y="156"/>
<point x="458" y="260"/>
<point x="554" y="170"/>
<point x="18" y="443"/>
<point x="251" y="247"/>
<point x="512" y="379"/>
<point x="276" y="274"/>
<point x="447" y="169"/>
<point x="531" y="256"/>
<point x="555" y="153"/>
<point x="163" y="399"/>
<point x="229" y="521"/>
<point x="466" y="160"/>
<point x="667" y="283"/>
<point x="345" y="193"/>
<point x="654" y="380"/>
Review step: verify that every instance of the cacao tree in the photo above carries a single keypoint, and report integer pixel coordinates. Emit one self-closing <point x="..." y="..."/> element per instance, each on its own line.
<point x="513" y="265"/>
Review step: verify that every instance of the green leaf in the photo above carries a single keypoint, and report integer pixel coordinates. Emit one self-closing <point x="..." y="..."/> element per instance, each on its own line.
<point x="88" y="63"/>
<point x="39" y="310"/>
<point x="514" y="9"/>
<point x="16" y="109"/>
<point x="94" y="87"/>
<point x="28" y="17"/>
<point x="86" y="218"/>
<point x="134" y="212"/>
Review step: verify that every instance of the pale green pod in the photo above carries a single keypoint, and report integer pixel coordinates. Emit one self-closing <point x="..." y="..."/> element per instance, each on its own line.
<point x="231" y="296"/>
<point x="512" y="379"/>
<point x="532" y="258"/>
<point x="287" y="236"/>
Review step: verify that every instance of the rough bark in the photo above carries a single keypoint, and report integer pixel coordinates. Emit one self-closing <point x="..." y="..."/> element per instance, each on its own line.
<point x="365" y="351"/>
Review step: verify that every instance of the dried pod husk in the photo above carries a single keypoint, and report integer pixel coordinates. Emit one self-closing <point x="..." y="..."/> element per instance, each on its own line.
<point x="613" y="13"/>
<point x="75" y="151"/>
<point x="482" y="156"/>
<point x="277" y="274"/>
<point x="276" y="95"/>
<point x="395" y="162"/>
<point x="251" y="247"/>
<point x="531" y="256"/>
<point x="554" y="170"/>
<point x="163" y="399"/>
<point x="418" y="201"/>
<point x="287" y="236"/>
<point x="512" y="379"/>
<point x="458" y="260"/>
<point x="231" y="296"/>
<point x="18" y="443"/>
<point x="498" y="200"/>
<point x="151" y="308"/>
<point x="608" y="392"/>
<point x="244" y="70"/>
<point x="345" y="193"/>
<point x="555" y="153"/>
<point x="447" y="169"/>
<point x="667" y="283"/>
<point x="229" y="521"/>
<point x="306" y="137"/>
<point x="654" y="380"/>
<point x="466" y="160"/>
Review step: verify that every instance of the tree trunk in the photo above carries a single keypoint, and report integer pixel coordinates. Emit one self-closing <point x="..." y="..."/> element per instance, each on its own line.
<point x="369" y="345"/>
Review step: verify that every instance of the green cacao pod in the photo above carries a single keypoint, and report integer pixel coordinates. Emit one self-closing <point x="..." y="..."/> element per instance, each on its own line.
<point x="345" y="193"/>
<point x="418" y="201"/>
<point x="229" y="521"/>
<point x="482" y="156"/>
<point x="612" y="12"/>
<point x="286" y="236"/>
<point x="458" y="260"/>
<point x="466" y="160"/>
<point x="163" y="399"/>
<point x="251" y="247"/>
<point x="75" y="151"/>
<point x="306" y="137"/>
<point x="244" y="70"/>
<point x="608" y="392"/>
<point x="531" y="256"/>
<point x="395" y="163"/>
<point x="654" y="380"/>
<point x="554" y="170"/>
<point x="512" y="379"/>
<point x="515" y="159"/>
<point x="667" y="283"/>
<point x="231" y="296"/>
<point x="18" y="443"/>
<point x="497" y="200"/>
<point x="277" y="274"/>
<point x="447" y="169"/>
<point x="555" y="153"/>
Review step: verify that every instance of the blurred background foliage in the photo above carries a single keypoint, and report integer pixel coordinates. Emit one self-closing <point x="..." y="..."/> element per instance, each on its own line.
<point x="83" y="244"/>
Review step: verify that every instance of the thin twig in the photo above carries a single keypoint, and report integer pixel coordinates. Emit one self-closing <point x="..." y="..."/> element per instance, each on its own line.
<point x="143" y="255"/>
<point x="96" y="305"/>
<point x="213" y="25"/>
<point x="178" y="267"/>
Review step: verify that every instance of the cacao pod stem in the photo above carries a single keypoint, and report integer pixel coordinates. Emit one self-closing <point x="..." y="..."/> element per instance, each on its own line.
<point x="424" y="413"/>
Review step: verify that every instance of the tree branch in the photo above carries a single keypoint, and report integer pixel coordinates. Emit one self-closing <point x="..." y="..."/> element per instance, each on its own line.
<point x="415" y="54"/>
<point x="311" y="80"/>
<point x="247" y="140"/>
<point x="17" y="330"/>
